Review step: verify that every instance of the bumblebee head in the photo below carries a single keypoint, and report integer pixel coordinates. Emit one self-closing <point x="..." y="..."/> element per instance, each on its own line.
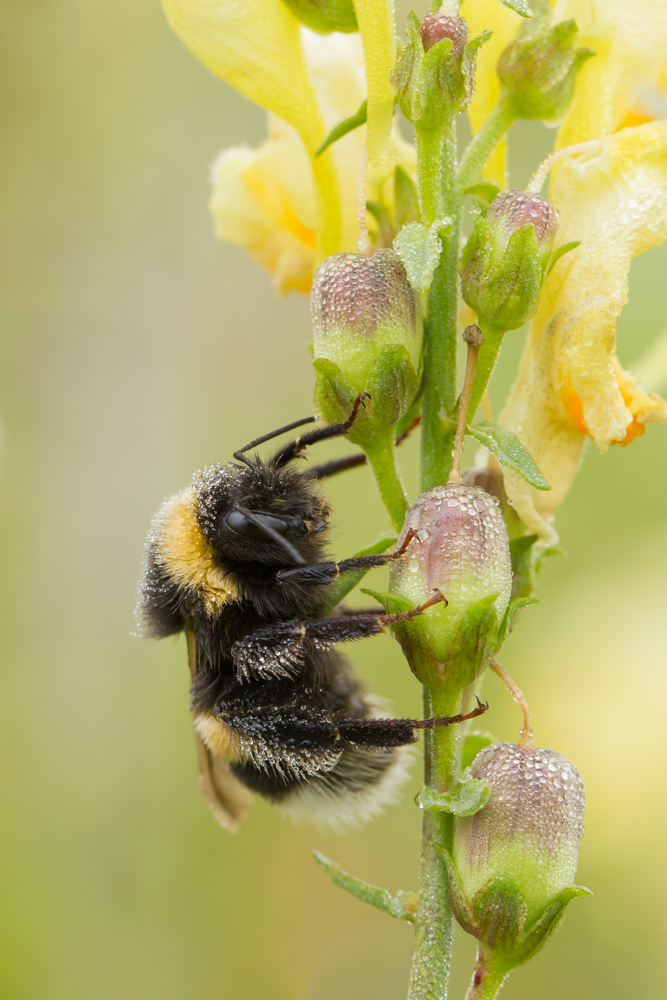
<point x="268" y="514"/>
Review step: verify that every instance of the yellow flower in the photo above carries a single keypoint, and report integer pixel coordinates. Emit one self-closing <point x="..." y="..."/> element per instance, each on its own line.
<point x="255" y="45"/>
<point x="630" y="41"/>
<point x="570" y="385"/>
<point x="265" y="200"/>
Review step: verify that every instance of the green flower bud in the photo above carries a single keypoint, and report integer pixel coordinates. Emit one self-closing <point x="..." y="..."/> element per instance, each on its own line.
<point x="514" y="861"/>
<point x="539" y="69"/>
<point x="325" y="15"/>
<point x="529" y="829"/>
<point x="367" y="328"/>
<point x="505" y="261"/>
<point x="434" y="77"/>
<point x="461" y="548"/>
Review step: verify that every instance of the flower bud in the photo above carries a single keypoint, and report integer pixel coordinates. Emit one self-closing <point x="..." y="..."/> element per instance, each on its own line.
<point x="434" y="77"/>
<point x="539" y="69"/>
<point x="325" y="15"/>
<point x="506" y="259"/>
<point x="367" y="330"/>
<point x="435" y="27"/>
<point x="530" y="828"/>
<point x="461" y="548"/>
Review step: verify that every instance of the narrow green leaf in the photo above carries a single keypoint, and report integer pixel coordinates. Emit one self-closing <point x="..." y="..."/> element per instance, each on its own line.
<point x="537" y="934"/>
<point x="465" y="798"/>
<point x="402" y="906"/>
<point x="510" y="452"/>
<point x="347" y="125"/>
<point x="561" y="251"/>
<point x="349" y="580"/>
<point x="519" y="7"/>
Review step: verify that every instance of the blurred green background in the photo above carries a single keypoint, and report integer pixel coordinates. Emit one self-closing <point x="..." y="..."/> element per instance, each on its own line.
<point x="135" y="349"/>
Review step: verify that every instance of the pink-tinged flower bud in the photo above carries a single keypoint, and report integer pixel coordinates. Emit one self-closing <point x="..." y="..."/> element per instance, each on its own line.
<point x="435" y="27"/>
<point x="512" y="209"/>
<point x="435" y="82"/>
<point x="460" y="548"/>
<point x="367" y="334"/>
<point x="506" y="259"/>
<point x="528" y="831"/>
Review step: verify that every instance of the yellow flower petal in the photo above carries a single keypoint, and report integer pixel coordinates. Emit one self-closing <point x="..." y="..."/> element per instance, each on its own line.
<point x="630" y="41"/>
<point x="377" y="24"/>
<point x="570" y="384"/>
<point x="480" y="15"/>
<point x="255" y="45"/>
<point x="264" y="201"/>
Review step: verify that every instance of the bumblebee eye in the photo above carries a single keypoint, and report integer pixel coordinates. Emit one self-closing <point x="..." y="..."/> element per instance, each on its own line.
<point x="241" y="525"/>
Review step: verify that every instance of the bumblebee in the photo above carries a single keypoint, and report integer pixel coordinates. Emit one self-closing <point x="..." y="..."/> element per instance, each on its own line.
<point x="237" y="562"/>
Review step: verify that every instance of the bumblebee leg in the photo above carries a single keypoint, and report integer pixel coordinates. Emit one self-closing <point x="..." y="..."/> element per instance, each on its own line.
<point x="280" y="650"/>
<point x="311" y="576"/>
<point x="383" y="734"/>
<point x="295" y="447"/>
<point x="336" y="465"/>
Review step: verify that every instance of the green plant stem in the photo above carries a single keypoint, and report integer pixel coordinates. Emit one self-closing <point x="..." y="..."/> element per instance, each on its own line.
<point x="382" y="460"/>
<point x="441" y="328"/>
<point x="434" y="925"/>
<point x="430" y="142"/>
<point x="484" y="143"/>
<point x="486" y="362"/>
<point x="486" y="980"/>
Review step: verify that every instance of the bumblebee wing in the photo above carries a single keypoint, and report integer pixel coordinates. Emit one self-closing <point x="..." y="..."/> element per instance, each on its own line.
<point x="227" y="798"/>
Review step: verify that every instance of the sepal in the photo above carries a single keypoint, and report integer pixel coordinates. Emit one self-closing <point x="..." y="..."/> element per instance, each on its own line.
<point x="497" y="914"/>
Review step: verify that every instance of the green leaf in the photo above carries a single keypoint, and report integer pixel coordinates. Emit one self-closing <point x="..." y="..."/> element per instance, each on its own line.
<point x="561" y="251"/>
<point x="465" y="798"/>
<point x="402" y="906"/>
<point x="419" y="247"/>
<point x="348" y="581"/>
<point x="485" y="189"/>
<point x="519" y="7"/>
<point x="347" y="125"/>
<point x="509" y="451"/>
<point x="473" y="743"/>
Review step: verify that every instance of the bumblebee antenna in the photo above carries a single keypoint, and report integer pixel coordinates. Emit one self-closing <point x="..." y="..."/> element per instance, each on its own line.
<point x="239" y="455"/>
